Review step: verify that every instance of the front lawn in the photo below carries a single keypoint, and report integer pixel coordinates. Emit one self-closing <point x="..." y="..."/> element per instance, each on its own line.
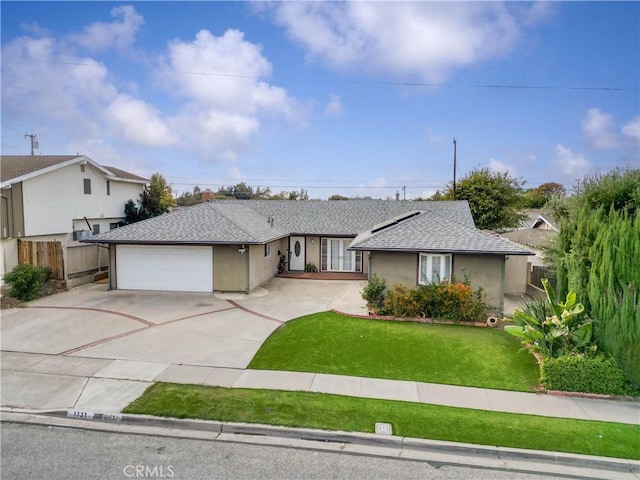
<point x="336" y="412"/>
<point x="450" y="354"/>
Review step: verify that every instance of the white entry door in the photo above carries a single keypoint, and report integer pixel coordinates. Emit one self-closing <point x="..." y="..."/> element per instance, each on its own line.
<point x="296" y="253"/>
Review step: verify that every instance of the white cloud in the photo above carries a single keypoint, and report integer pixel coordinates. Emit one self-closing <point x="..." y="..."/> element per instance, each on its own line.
<point x="572" y="165"/>
<point x="214" y="116"/>
<point x="334" y="107"/>
<point x="139" y="123"/>
<point x="221" y="79"/>
<point x="598" y="128"/>
<point x="631" y="129"/>
<point x="426" y="40"/>
<point x="119" y="34"/>
<point x="501" y="167"/>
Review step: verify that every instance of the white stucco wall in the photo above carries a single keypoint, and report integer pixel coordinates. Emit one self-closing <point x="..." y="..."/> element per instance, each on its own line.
<point x="53" y="201"/>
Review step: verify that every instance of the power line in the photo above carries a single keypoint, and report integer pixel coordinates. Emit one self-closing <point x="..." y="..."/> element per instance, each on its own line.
<point x="403" y="84"/>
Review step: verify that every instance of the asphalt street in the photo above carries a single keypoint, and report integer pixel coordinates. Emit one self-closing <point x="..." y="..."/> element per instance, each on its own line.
<point x="54" y="453"/>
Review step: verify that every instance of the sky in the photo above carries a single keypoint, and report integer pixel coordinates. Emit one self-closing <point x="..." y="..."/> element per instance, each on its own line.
<point x="361" y="99"/>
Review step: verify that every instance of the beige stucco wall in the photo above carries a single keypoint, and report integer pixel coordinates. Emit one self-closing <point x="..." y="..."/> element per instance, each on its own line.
<point x="484" y="271"/>
<point x="230" y="269"/>
<point x="9" y="252"/>
<point x="12" y="211"/>
<point x="263" y="268"/>
<point x="396" y="268"/>
<point x="313" y="251"/>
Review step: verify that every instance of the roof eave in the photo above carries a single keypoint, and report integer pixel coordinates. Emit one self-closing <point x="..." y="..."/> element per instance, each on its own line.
<point x="442" y="250"/>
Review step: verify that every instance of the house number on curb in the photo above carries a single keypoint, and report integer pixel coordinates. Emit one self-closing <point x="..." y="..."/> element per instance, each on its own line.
<point x="383" y="428"/>
<point x="79" y="414"/>
<point x="110" y="417"/>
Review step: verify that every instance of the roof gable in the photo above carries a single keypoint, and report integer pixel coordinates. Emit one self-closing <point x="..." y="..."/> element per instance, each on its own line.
<point x="432" y="232"/>
<point x="18" y="168"/>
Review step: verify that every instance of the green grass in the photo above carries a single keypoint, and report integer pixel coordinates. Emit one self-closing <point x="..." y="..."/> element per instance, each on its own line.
<point x="335" y="412"/>
<point x="451" y="354"/>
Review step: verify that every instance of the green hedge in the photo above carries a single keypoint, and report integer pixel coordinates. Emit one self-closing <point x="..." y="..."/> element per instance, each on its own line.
<point x="575" y="373"/>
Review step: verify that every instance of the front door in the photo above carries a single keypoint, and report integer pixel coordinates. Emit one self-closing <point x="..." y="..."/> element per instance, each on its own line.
<point x="296" y="253"/>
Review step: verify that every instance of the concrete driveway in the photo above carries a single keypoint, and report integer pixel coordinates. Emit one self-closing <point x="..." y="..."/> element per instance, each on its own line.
<point x="222" y="330"/>
<point x="90" y="333"/>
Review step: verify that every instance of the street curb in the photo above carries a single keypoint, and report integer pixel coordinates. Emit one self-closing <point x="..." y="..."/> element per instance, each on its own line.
<point x="344" y="437"/>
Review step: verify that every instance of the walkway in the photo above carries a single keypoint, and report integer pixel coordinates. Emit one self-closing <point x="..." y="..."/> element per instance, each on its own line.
<point x="109" y="385"/>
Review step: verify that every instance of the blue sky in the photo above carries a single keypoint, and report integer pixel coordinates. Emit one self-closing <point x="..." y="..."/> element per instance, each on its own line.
<point x="358" y="98"/>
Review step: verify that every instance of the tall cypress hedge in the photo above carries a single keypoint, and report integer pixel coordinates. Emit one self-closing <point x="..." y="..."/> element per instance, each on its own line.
<point x="598" y="257"/>
<point x="614" y="279"/>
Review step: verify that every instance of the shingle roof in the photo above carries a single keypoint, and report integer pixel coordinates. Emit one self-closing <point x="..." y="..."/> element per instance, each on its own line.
<point x="429" y="231"/>
<point x="126" y="175"/>
<point x="532" y="237"/>
<point x="206" y="223"/>
<point x="247" y="221"/>
<point x="14" y="166"/>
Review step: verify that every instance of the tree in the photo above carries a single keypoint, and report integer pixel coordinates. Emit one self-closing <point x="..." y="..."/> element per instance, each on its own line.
<point x="156" y="198"/>
<point x="190" y="198"/>
<point x="441" y="196"/>
<point x="538" y="197"/>
<point x="494" y="198"/>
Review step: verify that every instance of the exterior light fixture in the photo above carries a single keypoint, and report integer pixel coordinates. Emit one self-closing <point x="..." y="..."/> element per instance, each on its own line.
<point x="242" y="250"/>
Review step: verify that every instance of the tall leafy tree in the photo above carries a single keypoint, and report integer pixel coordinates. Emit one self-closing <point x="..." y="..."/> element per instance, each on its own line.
<point x="539" y="196"/>
<point x="494" y="198"/>
<point x="156" y="198"/>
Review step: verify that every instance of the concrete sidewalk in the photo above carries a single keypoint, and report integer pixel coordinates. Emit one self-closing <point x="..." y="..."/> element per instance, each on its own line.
<point x="103" y="385"/>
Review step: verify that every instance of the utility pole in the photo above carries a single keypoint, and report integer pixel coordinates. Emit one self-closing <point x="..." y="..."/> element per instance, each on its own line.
<point x="454" y="170"/>
<point x="34" y="141"/>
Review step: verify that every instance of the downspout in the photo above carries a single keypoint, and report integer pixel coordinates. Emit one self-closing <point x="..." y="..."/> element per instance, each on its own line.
<point x="504" y="264"/>
<point x="248" y="255"/>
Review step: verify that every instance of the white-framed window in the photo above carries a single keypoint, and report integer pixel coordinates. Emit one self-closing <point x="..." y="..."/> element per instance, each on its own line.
<point x="434" y="268"/>
<point x="267" y="249"/>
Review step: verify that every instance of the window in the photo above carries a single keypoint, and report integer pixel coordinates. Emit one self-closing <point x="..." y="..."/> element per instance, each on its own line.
<point x="434" y="268"/>
<point x="113" y="225"/>
<point x="267" y="249"/>
<point x="87" y="186"/>
<point x="96" y="228"/>
<point x="108" y="187"/>
<point x="82" y="168"/>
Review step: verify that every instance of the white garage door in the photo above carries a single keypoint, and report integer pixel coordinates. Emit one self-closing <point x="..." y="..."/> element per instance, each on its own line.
<point x="160" y="267"/>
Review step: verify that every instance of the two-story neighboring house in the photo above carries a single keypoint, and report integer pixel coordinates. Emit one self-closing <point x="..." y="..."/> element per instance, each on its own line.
<point x="60" y="199"/>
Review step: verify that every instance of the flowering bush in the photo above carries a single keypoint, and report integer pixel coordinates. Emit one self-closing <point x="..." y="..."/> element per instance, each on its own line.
<point x="452" y="301"/>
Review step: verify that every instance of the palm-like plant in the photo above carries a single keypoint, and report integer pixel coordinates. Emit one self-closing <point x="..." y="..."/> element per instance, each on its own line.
<point x="567" y="330"/>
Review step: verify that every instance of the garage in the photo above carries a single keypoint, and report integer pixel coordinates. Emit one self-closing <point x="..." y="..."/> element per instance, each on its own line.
<point x="164" y="267"/>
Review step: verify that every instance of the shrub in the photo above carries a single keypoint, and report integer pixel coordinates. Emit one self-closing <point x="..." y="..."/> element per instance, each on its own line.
<point x="578" y="373"/>
<point x="455" y="302"/>
<point x="373" y="293"/>
<point x="25" y="281"/>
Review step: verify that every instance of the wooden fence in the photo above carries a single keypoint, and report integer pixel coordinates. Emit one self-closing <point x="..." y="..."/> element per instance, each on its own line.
<point x="42" y="254"/>
<point x="86" y="259"/>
